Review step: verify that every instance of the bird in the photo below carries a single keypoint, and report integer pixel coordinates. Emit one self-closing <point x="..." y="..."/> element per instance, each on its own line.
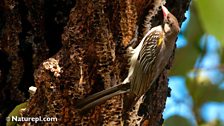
<point x="147" y="61"/>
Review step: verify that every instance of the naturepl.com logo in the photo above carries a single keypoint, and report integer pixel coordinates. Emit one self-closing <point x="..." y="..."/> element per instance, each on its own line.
<point x="30" y="119"/>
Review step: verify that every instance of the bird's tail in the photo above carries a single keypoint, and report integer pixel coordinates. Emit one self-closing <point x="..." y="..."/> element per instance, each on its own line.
<point x="100" y="97"/>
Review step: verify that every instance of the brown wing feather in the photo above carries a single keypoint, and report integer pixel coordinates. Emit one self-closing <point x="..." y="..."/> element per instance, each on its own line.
<point x="142" y="79"/>
<point x="149" y="51"/>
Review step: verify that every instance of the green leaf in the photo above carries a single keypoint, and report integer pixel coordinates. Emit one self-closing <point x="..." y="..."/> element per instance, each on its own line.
<point x="211" y="16"/>
<point x="202" y="91"/>
<point x="177" y="121"/>
<point x="184" y="60"/>
<point x="16" y="112"/>
<point x="213" y="123"/>
<point x="194" y="30"/>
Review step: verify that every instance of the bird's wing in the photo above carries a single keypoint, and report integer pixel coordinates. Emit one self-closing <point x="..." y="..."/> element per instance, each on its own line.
<point x="150" y="50"/>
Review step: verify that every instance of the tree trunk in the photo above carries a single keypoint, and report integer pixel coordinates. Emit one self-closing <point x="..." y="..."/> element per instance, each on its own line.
<point x="85" y="57"/>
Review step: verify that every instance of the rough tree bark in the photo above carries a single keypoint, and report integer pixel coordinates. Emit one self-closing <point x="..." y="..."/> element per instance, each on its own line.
<point x="86" y="57"/>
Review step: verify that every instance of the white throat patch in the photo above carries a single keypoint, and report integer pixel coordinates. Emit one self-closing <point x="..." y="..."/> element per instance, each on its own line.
<point x="166" y="28"/>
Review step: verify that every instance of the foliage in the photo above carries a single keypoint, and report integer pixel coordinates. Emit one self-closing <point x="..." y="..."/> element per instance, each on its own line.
<point x="176" y="121"/>
<point x="212" y="17"/>
<point x="206" y="18"/>
<point x="16" y="112"/>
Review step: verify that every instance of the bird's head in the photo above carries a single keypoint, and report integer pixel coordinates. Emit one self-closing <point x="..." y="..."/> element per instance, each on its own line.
<point x="170" y="23"/>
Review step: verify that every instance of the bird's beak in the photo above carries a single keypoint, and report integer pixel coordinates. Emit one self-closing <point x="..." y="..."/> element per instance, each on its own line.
<point x="165" y="11"/>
